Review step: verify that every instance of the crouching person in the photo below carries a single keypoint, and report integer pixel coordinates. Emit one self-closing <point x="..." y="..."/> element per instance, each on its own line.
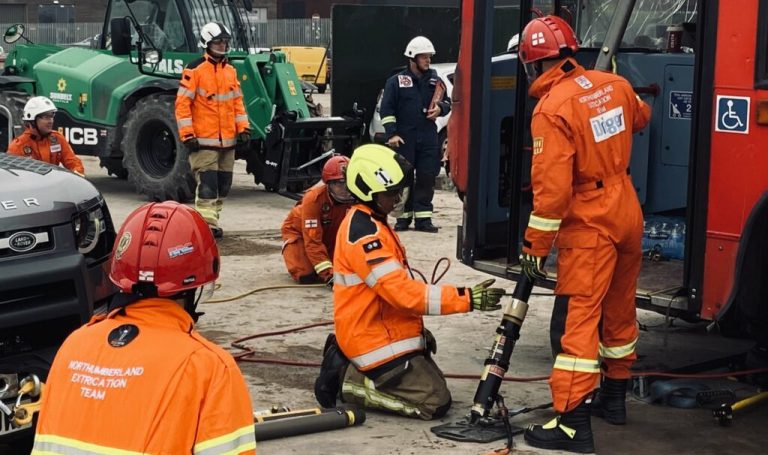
<point x="378" y="306"/>
<point x="138" y="378"/>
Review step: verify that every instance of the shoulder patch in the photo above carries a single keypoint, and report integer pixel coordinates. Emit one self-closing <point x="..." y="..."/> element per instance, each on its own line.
<point x="27" y="150"/>
<point x="360" y="226"/>
<point x="404" y="81"/>
<point x="372" y="245"/>
<point x="195" y="63"/>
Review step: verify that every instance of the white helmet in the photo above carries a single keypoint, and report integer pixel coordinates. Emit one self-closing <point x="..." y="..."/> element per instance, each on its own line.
<point x="212" y="31"/>
<point x="419" y="45"/>
<point x="37" y="105"/>
<point x="513" y="44"/>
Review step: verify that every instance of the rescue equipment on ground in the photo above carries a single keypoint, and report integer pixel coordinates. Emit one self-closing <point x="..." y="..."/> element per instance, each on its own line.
<point x="272" y="425"/>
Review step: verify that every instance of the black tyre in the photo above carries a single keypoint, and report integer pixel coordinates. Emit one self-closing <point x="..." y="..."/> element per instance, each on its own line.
<point x="114" y="166"/>
<point x="11" y="109"/>
<point x="156" y="161"/>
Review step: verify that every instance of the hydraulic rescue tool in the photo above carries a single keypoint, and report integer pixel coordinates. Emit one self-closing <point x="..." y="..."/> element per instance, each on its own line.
<point x="305" y="421"/>
<point x="724" y="414"/>
<point x="480" y="425"/>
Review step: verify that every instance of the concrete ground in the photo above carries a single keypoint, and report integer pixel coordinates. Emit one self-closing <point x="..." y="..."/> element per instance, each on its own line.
<point x="251" y="259"/>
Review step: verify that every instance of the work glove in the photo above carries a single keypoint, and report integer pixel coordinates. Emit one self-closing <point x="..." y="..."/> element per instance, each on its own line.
<point x="533" y="266"/>
<point x="327" y="276"/>
<point x="243" y="139"/>
<point x="485" y="298"/>
<point x="192" y="145"/>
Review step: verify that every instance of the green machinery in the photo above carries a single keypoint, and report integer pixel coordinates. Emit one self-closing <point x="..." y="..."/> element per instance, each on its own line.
<point x="116" y="100"/>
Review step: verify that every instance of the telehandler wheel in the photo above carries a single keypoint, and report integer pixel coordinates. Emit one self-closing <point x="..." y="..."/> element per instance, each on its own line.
<point x="11" y="109"/>
<point x="114" y="166"/>
<point x="156" y="160"/>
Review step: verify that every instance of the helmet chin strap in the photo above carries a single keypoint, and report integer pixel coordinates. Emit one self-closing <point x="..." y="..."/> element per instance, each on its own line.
<point x="217" y="55"/>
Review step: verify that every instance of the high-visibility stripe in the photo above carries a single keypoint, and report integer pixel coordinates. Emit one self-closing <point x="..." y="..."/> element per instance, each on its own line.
<point x="241" y="118"/>
<point x="388" y="351"/>
<point x="185" y="92"/>
<point x="320" y="266"/>
<point x="405" y="215"/>
<point x="229" y="444"/>
<point x="50" y="444"/>
<point x="202" y="92"/>
<point x="434" y="299"/>
<point x="422" y="215"/>
<point x="388" y="119"/>
<point x="182" y="122"/>
<point x="555" y="423"/>
<point x="216" y="142"/>
<point x="543" y="224"/>
<point x="342" y="279"/>
<point x="380" y="270"/>
<point x="570" y="363"/>
<point x="617" y="352"/>
<point x="374" y="398"/>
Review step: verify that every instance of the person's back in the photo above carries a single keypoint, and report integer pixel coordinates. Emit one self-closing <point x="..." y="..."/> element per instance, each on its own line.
<point x="138" y="378"/>
<point x="141" y="379"/>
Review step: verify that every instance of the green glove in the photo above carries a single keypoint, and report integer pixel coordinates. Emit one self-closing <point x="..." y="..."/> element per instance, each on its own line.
<point x="485" y="298"/>
<point x="533" y="267"/>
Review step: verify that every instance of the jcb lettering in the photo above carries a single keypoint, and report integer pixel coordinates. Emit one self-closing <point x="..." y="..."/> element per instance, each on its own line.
<point x="81" y="136"/>
<point x="608" y="124"/>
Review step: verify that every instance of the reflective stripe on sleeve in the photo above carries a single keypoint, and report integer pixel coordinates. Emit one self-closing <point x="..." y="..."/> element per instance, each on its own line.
<point x="543" y="224"/>
<point x="388" y="351"/>
<point x="570" y="363"/>
<point x="229" y="444"/>
<point x="434" y="299"/>
<point x="50" y="444"/>
<point x="343" y="279"/>
<point x="182" y="122"/>
<point x="617" y="352"/>
<point x="381" y="270"/>
<point x="185" y="92"/>
<point x="388" y="119"/>
<point x="320" y="266"/>
<point x="241" y="118"/>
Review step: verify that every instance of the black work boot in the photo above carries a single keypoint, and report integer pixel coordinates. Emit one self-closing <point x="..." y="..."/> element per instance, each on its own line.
<point x="609" y="401"/>
<point x="425" y="225"/>
<point x="571" y="431"/>
<point x="216" y="231"/>
<point x="402" y="224"/>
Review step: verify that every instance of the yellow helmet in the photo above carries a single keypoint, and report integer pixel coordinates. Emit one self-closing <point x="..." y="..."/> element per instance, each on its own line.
<point x="374" y="169"/>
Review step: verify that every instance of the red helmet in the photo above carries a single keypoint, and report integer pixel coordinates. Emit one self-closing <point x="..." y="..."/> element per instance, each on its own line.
<point x="167" y="245"/>
<point x="546" y="38"/>
<point x="335" y="168"/>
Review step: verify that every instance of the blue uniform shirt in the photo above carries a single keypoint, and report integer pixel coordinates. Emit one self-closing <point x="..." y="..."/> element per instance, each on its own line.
<point x="406" y="101"/>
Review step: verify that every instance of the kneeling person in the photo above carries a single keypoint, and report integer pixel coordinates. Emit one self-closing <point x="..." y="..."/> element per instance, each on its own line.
<point x="378" y="307"/>
<point x="309" y="230"/>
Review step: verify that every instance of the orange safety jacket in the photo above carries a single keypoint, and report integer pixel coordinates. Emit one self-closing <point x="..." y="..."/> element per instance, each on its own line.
<point x="53" y="149"/>
<point x="142" y="380"/>
<point x="209" y="104"/>
<point x="582" y="139"/>
<point x="315" y="220"/>
<point x="378" y="307"/>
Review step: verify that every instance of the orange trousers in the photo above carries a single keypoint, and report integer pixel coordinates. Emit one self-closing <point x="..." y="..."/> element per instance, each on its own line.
<point x="593" y="328"/>
<point x="296" y="261"/>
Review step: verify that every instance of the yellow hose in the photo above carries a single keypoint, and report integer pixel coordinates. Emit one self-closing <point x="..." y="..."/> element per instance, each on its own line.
<point x="267" y="288"/>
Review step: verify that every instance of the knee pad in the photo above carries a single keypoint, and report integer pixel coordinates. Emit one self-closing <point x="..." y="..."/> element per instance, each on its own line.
<point x="208" y="186"/>
<point x="225" y="183"/>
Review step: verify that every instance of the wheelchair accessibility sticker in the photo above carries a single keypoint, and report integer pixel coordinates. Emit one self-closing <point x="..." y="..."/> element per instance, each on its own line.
<point x="732" y="114"/>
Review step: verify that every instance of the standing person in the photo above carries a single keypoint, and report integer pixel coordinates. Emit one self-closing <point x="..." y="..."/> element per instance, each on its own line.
<point x="309" y="230"/>
<point x="378" y="305"/>
<point x="583" y="201"/>
<point x="212" y="121"/>
<point x="409" y="108"/>
<point x="39" y="140"/>
<point x="139" y="378"/>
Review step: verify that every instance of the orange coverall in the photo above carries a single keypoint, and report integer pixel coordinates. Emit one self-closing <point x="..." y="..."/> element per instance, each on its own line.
<point x="142" y="380"/>
<point x="53" y="149"/>
<point x="378" y="307"/>
<point x="584" y="201"/>
<point x="309" y="234"/>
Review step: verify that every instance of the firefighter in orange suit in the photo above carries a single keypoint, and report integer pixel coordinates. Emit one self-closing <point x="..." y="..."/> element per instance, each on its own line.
<point x="212" y="121"/>
<point x="585" y="203"/>
<point x="39" y="140"/>
<point x="309" y="231"/>
<point x="378" y="306"/>
<point x="138" y="378"/>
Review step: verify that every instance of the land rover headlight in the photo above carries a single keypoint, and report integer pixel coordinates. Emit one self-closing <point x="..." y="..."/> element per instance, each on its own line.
<point x="89" y="226"/>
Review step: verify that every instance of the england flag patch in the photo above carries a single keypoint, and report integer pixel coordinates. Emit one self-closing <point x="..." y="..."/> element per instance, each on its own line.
<point x="309" y="224"/>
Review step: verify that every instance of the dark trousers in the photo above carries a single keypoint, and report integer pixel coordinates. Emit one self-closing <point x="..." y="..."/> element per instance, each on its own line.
<point x="422" y="151"/>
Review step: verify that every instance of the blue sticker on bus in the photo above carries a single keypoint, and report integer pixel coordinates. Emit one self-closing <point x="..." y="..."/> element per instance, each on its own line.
<point x="681" y="105"/>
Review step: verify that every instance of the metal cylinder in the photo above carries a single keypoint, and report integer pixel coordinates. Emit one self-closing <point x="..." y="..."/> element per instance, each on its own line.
<point x="329" y="419"/>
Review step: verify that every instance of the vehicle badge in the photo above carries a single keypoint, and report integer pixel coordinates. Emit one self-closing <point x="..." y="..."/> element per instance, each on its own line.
<point x="22" y="241"/>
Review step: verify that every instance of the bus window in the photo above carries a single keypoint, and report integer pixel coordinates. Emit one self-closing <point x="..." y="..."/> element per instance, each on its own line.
<point x="761" y="50"/>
